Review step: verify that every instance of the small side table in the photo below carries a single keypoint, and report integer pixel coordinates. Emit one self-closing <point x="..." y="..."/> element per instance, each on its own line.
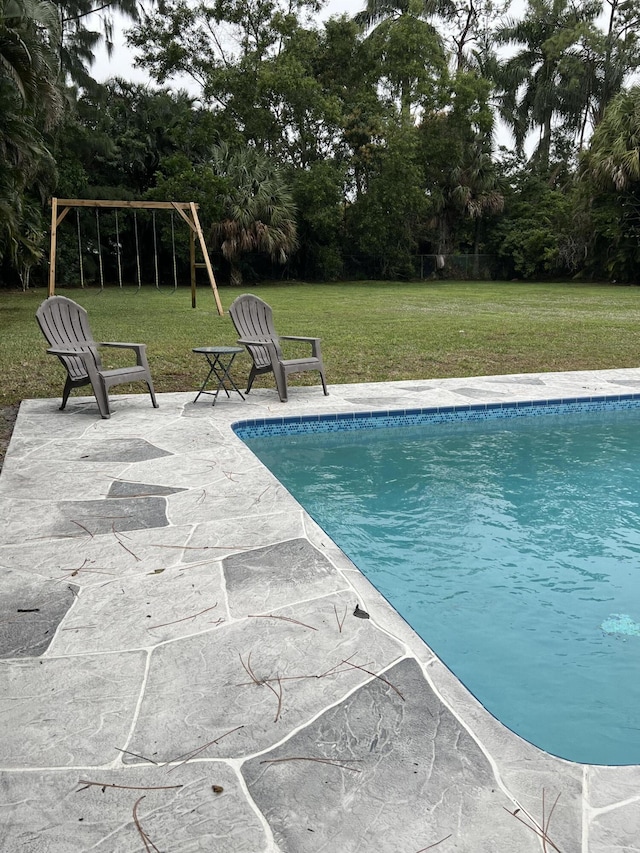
<point x="220" y="360"/>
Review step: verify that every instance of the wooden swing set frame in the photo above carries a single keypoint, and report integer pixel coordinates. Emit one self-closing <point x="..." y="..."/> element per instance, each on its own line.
<point x="188" y="210"/>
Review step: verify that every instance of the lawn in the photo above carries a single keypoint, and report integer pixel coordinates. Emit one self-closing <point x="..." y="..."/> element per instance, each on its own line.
<point x="371" y="331"/>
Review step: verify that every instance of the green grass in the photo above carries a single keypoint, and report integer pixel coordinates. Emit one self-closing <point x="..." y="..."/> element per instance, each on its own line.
<point x="371" y="331"/>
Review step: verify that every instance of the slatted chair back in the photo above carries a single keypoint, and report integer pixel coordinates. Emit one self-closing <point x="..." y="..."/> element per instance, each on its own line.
<point x="253" y="320"/>
<point x="65" y="325"/>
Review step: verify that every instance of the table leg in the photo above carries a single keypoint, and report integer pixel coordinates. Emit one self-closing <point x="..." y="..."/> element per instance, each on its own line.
<point x="222" y="372"/>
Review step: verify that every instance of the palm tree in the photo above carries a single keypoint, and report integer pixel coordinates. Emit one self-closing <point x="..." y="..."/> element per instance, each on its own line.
<point x="29" y="41"/>
<point x="613" y="158"/>
<point x="79" y="39"/>
<point x="376" y="11"/>
<point x="30" y="103"/>
<point x="259" y="213"/>
<point x="538" y="83"/>
<point x="408" y="49"/>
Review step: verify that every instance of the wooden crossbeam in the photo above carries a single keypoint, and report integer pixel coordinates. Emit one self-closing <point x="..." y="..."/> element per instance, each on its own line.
<point x="134" y="205"/>
<point x="188" y="210"/>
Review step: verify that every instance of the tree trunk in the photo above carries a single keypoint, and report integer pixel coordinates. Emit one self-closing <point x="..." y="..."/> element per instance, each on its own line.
<point x="235" y="275"/>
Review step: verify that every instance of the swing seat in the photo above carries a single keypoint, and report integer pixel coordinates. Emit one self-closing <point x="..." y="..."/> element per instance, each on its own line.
<point x="65" y="325"/>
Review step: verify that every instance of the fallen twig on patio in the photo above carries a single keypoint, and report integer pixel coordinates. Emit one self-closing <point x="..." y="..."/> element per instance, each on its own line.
<point x="135" y="755"/>
<point x="187" y="756"/>
<point x="184" y="618"/>
<point x="283" y="618"/>
<point x="541" y="831"/>
<point x="86" y="529"/>
<point x="332" y="671"/>
<point x="340" y="622"/>
<point x="375" y="675"/>
<point x="259" y="498"/>
<point x="148" y="843"/>
<point x="83" y="568"/>
<point x="264" y="681"/>
<point x="88" y="784"/>
<point x="431" y="846"/>
<point x="206" y="547"/>
<point x="311" y="758"/>
<point x="121" y="543"/>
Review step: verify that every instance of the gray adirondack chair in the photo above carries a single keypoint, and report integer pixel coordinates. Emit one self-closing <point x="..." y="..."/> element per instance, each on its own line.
<point x="65" y="325"/>
<point x="253" y="320"/>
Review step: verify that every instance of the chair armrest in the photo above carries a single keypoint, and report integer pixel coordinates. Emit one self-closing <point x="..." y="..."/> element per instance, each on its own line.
<point x="258" y="342"/>
<point x="79" y="350"/>
<point x="135" y="347"/>
<point x="315" y="343"/>
<point x="139" y="349"/>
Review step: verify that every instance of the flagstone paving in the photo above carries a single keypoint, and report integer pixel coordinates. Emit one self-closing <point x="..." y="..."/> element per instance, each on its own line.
<point x="181" y="668"/>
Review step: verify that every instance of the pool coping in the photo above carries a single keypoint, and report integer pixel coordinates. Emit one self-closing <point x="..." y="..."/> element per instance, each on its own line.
<point x="477" y="781"/>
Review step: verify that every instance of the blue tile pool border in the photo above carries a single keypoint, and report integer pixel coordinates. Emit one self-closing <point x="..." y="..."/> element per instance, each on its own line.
<point x="385" y="418"/>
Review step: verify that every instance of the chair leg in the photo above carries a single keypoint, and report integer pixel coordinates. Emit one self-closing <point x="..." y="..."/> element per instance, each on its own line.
<point x="153" y="396"/>
<point x="281" y="383"/>
<point x="68" y="385"/>
<point x="252" y="376"/>
<point x="324" y="383"/>
<point x="102" y="397"/>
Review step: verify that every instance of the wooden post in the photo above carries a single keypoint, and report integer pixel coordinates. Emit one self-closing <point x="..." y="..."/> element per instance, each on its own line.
<point x="52" y="248"/>
<point x="55" y="221"/>
<point x="205" y="254"/>
<point x="192" y="262"/>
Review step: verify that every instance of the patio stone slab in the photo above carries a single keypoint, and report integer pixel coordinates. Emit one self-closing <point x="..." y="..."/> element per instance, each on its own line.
<point x="30" y="611"/>
<point x="86" y="560"/>
<point x="274" y="576"/>
<point x="71" y="518"/>
<point x="42" y="480"/>
<point x="299" y="650"/>
<point x="40" y="810"/>
<point x="125" y="489"/>
<point x="231" y="498"/>
<point x="94" y="449"/>
<point x="607" y="786"/>
<point x="388" y="769"/>
<point x="616" y="831"/>
<point x="144" y="610"/>
<point x="222" y="537"/>
<point x="67" y="711"/>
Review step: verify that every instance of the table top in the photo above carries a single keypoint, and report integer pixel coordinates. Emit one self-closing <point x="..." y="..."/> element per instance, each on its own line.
<point x="218" y="350"/>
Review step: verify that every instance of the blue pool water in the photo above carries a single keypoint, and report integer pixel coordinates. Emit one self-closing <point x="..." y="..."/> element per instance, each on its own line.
<point x="513" y="549"/>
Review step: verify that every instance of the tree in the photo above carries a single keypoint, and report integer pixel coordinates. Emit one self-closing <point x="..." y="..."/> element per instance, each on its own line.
<point x="259" y="215"/>
<point x="542" y="83"/>
<point x="461" y="179"/>
<point x="79" y="38"/>
<point x="30" y="105"/>
<point x="407" y="49"/>
<point x="383" y="223"/>
<point x="614" y="154"/>
<point x="611" y="169"/>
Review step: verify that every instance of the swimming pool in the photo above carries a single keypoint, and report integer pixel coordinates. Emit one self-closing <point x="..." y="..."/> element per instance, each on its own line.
<point x="510" y="544"/>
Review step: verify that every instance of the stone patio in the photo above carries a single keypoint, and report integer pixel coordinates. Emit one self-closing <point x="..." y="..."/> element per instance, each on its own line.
<point x="181" y="668"/>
